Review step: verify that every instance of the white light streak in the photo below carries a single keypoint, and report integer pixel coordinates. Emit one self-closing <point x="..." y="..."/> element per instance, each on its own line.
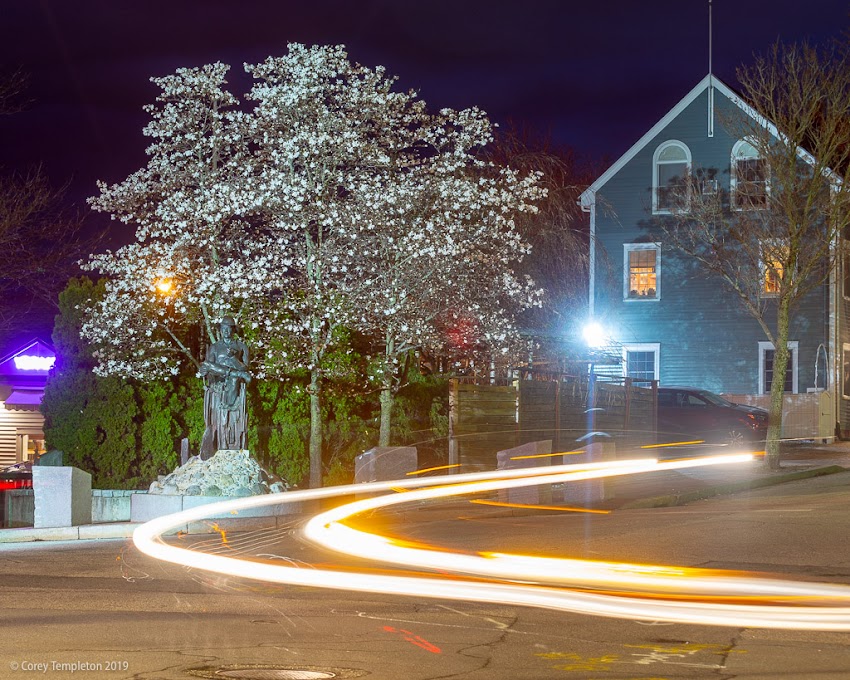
<point x="766" y="606"/>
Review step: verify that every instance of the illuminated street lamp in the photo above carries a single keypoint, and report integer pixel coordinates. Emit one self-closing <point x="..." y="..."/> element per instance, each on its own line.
<point x="595" y="335"/>
<point x="164" y="286"/>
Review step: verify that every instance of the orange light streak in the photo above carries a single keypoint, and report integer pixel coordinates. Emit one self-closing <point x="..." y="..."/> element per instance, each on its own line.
<point x="673" y="594"/>
<point x="432" y="469"/>
<point x="661" y="446"/>
<point x="549" y="455"/>
<point x="561" y="508"/>
<point x="414" y="639"/>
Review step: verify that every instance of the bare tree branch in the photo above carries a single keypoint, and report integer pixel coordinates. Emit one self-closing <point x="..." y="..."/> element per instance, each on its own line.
<point x="774" y="236"/>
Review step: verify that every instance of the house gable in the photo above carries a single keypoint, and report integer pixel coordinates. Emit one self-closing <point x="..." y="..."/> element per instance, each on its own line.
<point x="709" y="84"/>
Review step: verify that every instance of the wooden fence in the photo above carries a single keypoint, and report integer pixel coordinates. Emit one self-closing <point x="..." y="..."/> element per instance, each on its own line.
<point x="804" y="416"/>
<point x="486" y="418"/>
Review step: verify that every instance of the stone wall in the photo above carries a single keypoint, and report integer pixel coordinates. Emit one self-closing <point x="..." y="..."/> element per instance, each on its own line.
<point x="107" y="505"/>
<point x="20" y="507"/>
<point x="111" y="505"/>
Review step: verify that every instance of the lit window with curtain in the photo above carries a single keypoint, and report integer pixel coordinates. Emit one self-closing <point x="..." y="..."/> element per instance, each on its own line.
<point x="641" y="264"/>
<point x="773" y="256"/>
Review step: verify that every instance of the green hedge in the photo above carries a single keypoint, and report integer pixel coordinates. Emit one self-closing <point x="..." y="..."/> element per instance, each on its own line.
<point x="125" y="432"/>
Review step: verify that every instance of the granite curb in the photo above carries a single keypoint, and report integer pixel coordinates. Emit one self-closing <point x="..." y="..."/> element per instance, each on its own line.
<point x="82" y="532"/>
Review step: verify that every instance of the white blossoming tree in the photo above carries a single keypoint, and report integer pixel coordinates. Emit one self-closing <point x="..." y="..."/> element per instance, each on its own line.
<point x="198" y="252"/>
<point x="334" y="202"/>
<point x="445" y="249"/>
<point x="399" y="220"/>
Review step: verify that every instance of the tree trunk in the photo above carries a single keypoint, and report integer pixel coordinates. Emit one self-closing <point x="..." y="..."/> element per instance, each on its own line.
<point x="387" y="392"/>
<point x="386" y="414"/>
<point x="777" y="387"/>
<point x="315" y="428"/>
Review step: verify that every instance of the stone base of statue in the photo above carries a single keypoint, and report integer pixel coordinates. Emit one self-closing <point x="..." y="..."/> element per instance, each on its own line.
<point x="228" y="474"/>
<point x="231" y="473"/>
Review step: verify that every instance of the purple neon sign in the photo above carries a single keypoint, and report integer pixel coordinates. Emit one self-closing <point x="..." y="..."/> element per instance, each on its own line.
<point x="26" y="362"/>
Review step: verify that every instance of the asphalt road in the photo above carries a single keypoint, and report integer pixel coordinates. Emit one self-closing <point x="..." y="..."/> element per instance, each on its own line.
<point x="103" y="610"/>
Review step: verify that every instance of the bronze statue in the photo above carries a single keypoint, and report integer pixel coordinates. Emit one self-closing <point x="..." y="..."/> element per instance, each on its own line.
<point x="226" y="372"/>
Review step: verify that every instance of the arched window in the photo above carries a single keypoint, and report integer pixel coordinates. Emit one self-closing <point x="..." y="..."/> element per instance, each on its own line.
<point x="749" y="177"/>
<point x="671" y="168"/>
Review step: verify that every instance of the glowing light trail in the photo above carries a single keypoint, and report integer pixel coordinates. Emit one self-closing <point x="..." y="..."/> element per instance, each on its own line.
<point x="661" y="446"/>
<point x="525" y="506"/>
<point x="433" y="469"/>
<point x="647" y="592"/>
<point x="549" y="455"/>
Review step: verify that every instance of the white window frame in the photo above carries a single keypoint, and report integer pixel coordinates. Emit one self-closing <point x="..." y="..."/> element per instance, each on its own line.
<point x="793" y="347"/>
<point x="845" y="266"/>
<point x="655" y="163"/>
<point x="733" y="175"/>
<point x="654" y="347"/>
<point x="629" y="248"/>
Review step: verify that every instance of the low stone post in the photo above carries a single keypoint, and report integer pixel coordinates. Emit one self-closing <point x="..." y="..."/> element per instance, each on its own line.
<point x="62" y="496"/>
<point x="518" y="457"/>
<point x="589" y="491"/>
<point x="384" y="463"/>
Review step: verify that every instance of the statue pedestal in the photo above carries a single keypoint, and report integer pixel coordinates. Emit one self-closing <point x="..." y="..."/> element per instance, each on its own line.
<point x="229" y="474"/>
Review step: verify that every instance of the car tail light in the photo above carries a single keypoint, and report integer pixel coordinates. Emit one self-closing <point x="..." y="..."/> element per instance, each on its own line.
<point x="8" y="484"/>
<point x="756" y="420"/>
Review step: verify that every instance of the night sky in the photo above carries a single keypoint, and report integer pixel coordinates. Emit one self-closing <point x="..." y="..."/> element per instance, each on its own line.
<point x="591" y="75"/>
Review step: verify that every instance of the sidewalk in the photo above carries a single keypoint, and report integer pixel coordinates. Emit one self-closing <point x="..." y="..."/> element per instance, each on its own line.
<point x="660" y="489"/>
<point x="650" y="490"/>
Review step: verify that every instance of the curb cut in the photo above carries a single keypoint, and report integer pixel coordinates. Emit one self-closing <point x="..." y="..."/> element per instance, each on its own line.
<point x="671" y="500"/>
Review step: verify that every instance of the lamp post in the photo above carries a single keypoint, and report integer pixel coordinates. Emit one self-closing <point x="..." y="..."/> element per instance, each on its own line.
<point x="596" y="337"/>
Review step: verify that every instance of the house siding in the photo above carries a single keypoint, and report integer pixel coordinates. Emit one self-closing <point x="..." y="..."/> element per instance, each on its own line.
<point x="18" y="420"/>
<point x="13" y="423"/>
<point x="706" y="337"/>
<point x="844" y="358"/>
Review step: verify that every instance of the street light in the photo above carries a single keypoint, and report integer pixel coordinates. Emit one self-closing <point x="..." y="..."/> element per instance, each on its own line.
<point x="164" y="286"/>
<point x="595" y="335"/>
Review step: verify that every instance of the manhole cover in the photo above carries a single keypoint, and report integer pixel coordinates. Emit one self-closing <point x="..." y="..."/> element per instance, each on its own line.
<point x="275" y="672"/>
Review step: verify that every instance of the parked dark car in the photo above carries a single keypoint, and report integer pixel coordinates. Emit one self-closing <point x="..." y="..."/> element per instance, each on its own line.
<point x="693" y="413"/>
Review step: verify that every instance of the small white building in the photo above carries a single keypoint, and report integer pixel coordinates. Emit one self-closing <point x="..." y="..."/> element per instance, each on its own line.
<point x="23" y="374"/>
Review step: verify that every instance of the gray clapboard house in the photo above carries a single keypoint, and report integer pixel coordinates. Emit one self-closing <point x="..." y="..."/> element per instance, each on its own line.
<point x="670" y="323"/>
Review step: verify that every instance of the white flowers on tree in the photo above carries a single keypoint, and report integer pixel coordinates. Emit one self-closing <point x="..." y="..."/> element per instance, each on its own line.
<point x="196" y="252"/>
<point x="332" y="202"/>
